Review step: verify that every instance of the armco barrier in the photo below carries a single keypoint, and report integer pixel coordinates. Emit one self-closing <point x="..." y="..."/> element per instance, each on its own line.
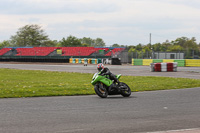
<point x="157" y="60"/>
<point x="168" y="60"/>
<point x="180" y="62"/>
<point x="133" y="62"/>
<point x="146" y="62"/>
<point x="138" y="62"/>
<point x="192" y="62"/>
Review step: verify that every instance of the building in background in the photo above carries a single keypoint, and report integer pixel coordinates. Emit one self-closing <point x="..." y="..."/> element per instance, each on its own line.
<point x="168" y="55"/>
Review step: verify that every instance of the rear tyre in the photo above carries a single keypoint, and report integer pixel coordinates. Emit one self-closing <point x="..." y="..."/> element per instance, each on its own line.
<point x="103" y="93"/>
<point x="126" y="91"/>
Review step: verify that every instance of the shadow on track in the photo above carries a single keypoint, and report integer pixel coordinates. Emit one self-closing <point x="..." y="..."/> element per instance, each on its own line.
<point x="117" y="97"/>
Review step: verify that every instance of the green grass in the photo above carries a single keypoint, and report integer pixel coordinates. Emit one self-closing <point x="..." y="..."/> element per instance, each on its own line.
<point x="31" y="83"/>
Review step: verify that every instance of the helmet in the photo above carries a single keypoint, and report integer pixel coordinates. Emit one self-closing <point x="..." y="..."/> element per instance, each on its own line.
<point x="100" y="67"/>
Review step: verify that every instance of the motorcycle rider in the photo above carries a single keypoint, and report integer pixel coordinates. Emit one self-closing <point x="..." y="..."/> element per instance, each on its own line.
<point x="106" y="71"/>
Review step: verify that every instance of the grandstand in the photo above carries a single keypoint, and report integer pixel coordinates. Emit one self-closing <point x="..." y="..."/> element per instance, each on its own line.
<point x="57" y="53"/>
<point x="4" y="51"/>
<point x="80" y="51"/>
<point x="114" y="51"/>
<point x="66" y="51"/>
<point x="35" y="51"/>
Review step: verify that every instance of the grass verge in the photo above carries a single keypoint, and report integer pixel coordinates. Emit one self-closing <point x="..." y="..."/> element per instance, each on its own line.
<point x="32" y="83"/>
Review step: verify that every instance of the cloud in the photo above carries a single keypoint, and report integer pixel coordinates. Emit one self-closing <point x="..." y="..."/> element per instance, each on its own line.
<point x="55" y="6"/>
<point x="127" y="22"/>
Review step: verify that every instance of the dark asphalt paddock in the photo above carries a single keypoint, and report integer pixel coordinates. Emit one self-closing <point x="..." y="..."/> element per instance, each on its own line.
<point x="142" y="112"/>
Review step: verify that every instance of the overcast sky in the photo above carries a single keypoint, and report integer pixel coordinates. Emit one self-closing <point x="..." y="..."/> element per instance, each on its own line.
<point x="126" y="22"/>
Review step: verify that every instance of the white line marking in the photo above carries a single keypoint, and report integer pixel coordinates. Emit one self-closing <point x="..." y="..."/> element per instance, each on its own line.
<point x="72" y="130"/>
<point x="180" y="130"/>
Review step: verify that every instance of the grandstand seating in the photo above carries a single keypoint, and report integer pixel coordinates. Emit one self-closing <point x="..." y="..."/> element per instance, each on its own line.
<point x="4" y="50"/>
<point x="44" y="51"/>
<point x="80" y="51"/>
<point x="66" y="51"/>
<point x="36" y="51"/>
<point x="114" y="51"/>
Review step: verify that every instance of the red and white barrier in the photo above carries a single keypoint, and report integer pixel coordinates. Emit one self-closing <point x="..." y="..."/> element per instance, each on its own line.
<point x="164" y="67"/>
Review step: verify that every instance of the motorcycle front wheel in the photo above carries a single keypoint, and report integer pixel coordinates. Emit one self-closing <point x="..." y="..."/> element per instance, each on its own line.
<point x="126" y="91"/>
<point x="103" y="93"/>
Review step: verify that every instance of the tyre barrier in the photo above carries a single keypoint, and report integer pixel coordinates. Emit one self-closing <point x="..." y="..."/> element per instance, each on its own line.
<point x="163" y="67"/>
<point x="84" y="60"/>
<point x="112" y="61"/>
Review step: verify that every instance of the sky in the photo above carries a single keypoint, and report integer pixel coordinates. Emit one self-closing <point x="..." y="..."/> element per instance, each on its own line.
<point x="125" y="22"/>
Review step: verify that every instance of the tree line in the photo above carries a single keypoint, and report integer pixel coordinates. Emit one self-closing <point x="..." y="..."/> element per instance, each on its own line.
<point x="34" y="36"/>
<point x="183" y="44"/>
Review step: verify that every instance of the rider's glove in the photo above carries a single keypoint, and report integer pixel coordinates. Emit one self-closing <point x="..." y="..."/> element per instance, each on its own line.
<point x="103" y="74"/>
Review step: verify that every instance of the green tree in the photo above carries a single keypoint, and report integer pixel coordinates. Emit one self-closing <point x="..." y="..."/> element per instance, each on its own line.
<point x="30" y="35"/>
<point x="5" y="44"/>
<point x="166" y="45"/>
<point x="157" y="47"/>
<point x="70" y="41"/>
<point x="132" y="49"/>
<point x="199" y="47"/>
<point x="175" y="48"/>
<point x="87" y="41"/>
<point x="99" y="42"/>
<point x="50" y="43"/>
<point x="139" y="51"/>
<point x="147" y="49"/>
<point x="139" y="47"/>
<point x="180" y="41"/>
<point x="190" y="44"/>
<point x="115" y="45"/>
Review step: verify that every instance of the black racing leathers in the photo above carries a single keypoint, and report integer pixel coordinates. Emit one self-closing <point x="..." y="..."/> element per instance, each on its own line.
<point x="106" y="71"/>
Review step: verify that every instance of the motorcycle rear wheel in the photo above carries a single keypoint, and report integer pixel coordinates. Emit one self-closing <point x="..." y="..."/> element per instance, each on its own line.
<point x="127" y="91"/>
<point x="100" y="92"/>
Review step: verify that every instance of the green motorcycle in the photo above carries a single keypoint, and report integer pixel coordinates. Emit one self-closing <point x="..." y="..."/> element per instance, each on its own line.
<point x="103" y="86"/>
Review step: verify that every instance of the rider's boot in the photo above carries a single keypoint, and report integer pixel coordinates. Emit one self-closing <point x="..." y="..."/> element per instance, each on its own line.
<point x="120" y="86"/>
<point x="111" y="87"/>
<point x="117" y="83"/>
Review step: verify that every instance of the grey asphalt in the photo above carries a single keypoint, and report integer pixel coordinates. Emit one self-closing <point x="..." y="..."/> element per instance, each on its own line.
<point x="183" y="72"/>
<point x="140" y="113"/>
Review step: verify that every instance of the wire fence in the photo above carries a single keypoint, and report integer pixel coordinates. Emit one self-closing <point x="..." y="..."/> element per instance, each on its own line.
<point x="126" y="57"/>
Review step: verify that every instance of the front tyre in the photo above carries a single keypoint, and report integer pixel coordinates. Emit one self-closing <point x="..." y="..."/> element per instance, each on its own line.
<point x="103" y="93"/>
<point x="125" y="91"/>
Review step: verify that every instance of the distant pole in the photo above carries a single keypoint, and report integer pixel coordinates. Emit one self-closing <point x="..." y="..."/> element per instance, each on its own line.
<point x="150" y="46"/>
<point x="150" y="39"/>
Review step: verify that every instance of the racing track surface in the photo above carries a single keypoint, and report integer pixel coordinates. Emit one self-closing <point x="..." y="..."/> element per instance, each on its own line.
<point x="142" y="112"/>
<point x="184" y="72"/>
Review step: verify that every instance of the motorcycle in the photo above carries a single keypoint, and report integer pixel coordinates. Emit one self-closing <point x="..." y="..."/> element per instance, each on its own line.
<point x="104" y="86"/>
